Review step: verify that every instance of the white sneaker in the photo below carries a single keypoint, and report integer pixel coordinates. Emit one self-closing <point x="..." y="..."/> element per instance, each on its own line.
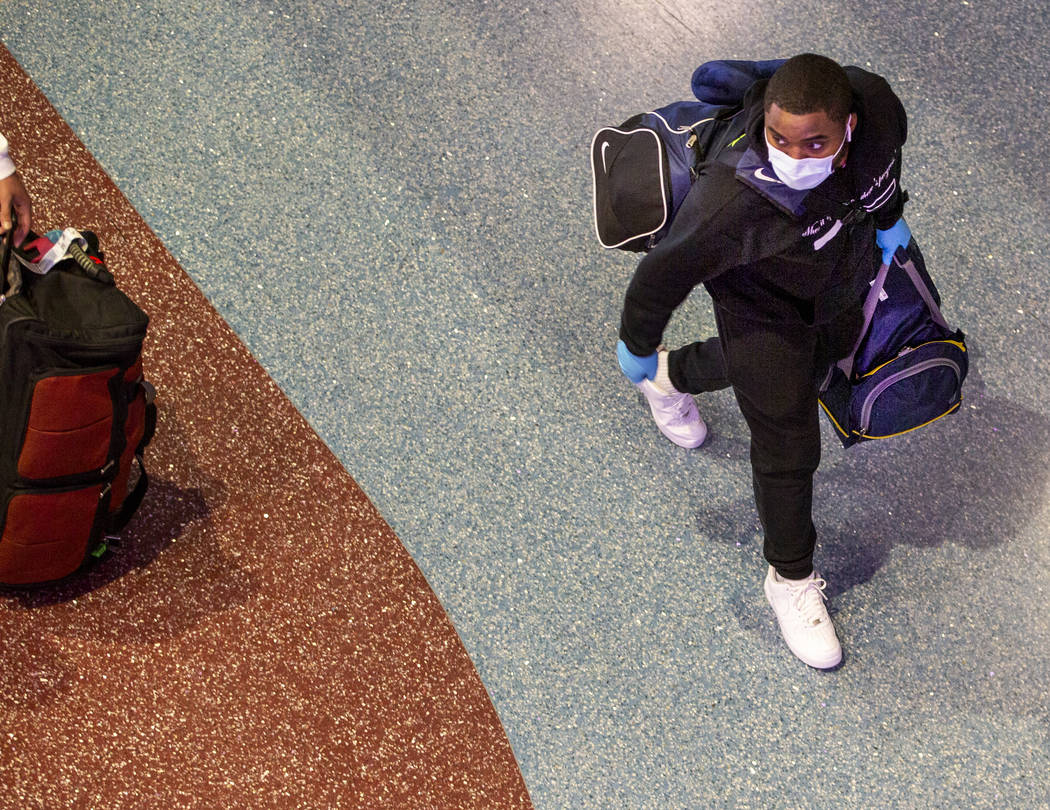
<point x="804" y="621"/>
<point x="675" y="413"/>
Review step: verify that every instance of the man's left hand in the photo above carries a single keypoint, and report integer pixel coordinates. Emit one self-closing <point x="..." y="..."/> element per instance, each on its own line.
<point x="892" y="238"/>
<point x="14" y="197"/>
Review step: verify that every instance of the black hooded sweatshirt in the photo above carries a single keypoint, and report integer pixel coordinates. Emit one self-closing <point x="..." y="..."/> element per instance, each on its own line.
<point x="769" y="253"/>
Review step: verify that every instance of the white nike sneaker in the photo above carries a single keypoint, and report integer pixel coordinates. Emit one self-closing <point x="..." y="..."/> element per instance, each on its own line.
<point x="804" y="621"/>
<point x="675" y="413"/>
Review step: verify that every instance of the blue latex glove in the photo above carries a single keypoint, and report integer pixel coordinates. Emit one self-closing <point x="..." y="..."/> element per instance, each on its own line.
<point x="636" y="368"/>
<point x="892" y="238"/>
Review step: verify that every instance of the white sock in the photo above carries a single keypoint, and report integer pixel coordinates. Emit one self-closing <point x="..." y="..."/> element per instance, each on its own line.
<point x="663" y="379"/>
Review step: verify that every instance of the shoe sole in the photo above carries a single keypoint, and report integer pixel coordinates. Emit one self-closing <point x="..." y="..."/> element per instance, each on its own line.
<point x="689" y="444"/>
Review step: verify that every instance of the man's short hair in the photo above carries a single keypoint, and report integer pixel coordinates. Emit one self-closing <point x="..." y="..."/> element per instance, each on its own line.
<point x="810" y="83"/>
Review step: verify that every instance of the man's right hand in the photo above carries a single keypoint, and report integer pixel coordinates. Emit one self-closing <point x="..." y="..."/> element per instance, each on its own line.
<point x="634" y="367"/>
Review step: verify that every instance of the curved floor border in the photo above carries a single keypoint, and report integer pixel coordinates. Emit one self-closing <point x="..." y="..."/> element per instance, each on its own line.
<point x="262" y="638"/>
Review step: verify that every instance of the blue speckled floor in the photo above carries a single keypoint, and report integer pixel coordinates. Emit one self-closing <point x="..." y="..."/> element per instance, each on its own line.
<point x="389" y="202"/>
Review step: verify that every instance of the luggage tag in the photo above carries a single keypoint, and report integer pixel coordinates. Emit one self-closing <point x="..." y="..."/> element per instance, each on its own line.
<point x="49" y="250"/>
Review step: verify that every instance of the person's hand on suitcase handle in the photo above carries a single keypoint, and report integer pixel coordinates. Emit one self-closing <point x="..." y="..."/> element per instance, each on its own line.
<point x="15" y="206"/>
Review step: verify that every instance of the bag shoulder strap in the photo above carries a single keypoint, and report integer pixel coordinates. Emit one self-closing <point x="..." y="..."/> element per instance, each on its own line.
<point x="924" y="292"/>
<point x="902" y="260"/>
<point x="872" y="301"/>
<point x="133" y="499"/>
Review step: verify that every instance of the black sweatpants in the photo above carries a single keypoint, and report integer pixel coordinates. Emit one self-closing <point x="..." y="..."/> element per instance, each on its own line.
<point x="775" y="371"/>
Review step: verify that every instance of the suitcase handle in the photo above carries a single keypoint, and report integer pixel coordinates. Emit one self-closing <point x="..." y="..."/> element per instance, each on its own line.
<point x="93" y="268"/>
<point x="9" y="243"/>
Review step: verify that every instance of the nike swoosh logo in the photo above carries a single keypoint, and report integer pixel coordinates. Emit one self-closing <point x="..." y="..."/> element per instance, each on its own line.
<point x="605" y="146"/>
<point x="761" y="175"/>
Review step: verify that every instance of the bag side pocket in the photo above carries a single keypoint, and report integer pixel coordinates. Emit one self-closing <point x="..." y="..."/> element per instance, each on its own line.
<point x="912" y="390"/>
<point x="70" y="425"/>
<point x="47" y="534"/>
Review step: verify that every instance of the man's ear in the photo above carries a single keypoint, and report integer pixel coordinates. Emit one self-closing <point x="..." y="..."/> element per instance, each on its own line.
<point x="853" y="122"/>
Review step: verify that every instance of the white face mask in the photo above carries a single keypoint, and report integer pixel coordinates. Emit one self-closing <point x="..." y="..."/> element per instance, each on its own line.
<point x="804" y="173"/>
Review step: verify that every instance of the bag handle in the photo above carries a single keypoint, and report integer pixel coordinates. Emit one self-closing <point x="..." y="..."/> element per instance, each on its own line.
<point x="51" y="255"/>
<point x="94" y="270"/>
<point x="872" y="301"/>
<point x="9" y="243"/>
<point x="924" y="293"/>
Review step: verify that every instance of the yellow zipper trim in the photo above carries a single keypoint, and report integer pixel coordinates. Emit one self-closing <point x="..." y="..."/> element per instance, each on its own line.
<point x="909" y="430"/>
<point x="832" y="418"/>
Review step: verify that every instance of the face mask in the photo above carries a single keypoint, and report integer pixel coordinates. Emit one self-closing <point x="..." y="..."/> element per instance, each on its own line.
<point x="805" y="173"/>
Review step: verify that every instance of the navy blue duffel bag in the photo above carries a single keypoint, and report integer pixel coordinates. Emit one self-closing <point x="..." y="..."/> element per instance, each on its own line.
<point x="643" y="168"/>
<point x="908" y="366"/>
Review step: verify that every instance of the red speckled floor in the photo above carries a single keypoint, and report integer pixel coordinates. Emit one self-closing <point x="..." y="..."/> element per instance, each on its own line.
<point x="262" y="638"/>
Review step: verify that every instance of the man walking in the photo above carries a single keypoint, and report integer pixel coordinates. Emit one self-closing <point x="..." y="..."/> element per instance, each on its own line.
<point x="786" y="240"/>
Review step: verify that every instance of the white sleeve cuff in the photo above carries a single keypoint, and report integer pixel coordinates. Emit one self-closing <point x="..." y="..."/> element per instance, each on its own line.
<point x="7" y="166"/>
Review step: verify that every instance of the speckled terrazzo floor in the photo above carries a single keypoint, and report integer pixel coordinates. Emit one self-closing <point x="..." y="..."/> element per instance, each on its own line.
<point x="388" y="204"/>
<point x="261" y="638"/>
